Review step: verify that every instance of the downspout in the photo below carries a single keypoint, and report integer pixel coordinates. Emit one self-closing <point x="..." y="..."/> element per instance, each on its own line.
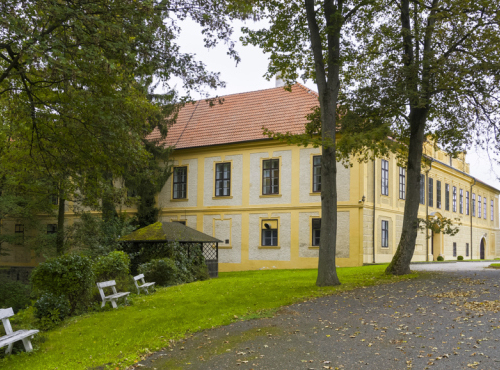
<point x="426" y="186"/>
<point x="470" y="213"/>
<point x="373" y="222"/>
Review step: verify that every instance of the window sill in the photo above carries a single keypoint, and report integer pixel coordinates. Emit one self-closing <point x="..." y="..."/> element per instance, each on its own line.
<point x="269" y="247"/>
<point x="223" y="197"/>
<point x="179" y="200"/>
<point x="314" y="247"/>
<point x="315" y="193"/>
<point x="270" y="196"/>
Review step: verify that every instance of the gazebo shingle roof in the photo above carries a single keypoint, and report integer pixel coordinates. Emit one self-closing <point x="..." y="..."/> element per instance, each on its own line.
<point x="168" y="232"/>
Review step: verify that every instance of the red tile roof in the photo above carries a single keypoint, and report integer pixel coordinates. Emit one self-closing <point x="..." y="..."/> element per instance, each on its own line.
<point x="240" y="117"/>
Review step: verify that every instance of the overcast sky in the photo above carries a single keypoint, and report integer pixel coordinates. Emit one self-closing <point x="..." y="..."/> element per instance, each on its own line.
<point x="248" y="76"/>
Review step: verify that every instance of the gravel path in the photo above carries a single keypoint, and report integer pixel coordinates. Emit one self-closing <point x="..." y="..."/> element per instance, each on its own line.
<point x="447" y="320"/>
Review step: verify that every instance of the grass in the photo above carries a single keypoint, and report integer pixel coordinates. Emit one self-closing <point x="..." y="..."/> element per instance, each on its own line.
<point x="119" y="338"/>
<point x="495" y="266"/>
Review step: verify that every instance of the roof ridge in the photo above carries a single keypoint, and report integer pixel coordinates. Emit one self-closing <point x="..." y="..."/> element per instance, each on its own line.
<point x="254" y="91"/>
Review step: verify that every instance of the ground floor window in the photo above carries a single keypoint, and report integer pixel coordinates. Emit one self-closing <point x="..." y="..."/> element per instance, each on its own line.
<point x="51" y="228"/>
<point x="316" y="231"/>
<point x="385" y="234"/>
<point x="269" y="233"/>
<point x="454" y="249"/>
<point x="466" y="249"/>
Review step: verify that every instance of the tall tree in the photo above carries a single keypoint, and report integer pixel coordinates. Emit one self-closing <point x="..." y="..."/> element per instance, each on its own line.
<point x="435" y="66"/>
<point x="314" y="37"/>
<point x="73" y="85"/>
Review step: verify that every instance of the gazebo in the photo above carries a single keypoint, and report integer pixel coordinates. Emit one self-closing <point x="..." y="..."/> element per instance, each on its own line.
<point x="167" y="232"/>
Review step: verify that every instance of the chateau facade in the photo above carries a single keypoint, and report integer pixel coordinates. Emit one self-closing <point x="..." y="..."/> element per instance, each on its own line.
<point x="262" y="198"/>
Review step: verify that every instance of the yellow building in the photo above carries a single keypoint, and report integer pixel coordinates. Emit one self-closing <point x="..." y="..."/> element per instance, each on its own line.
<point x="263" y="197"/>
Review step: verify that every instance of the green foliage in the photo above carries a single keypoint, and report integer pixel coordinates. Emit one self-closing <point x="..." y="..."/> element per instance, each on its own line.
<point x="460" y="258"/>
<point x="148" y="181"/>
<point x="51" y="310"/>
<point x="442" y="225"/>
<point x="95" y="236"/>
<point x="13" y="294"/>
<point x="114" y="264"/>
<point x="163" y="272"/>
<point x="140" y="253"/>
<point x="440" y="258"/>
<point x="70" y="275"/>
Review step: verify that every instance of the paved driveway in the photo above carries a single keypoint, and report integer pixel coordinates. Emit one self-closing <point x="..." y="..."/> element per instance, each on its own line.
<point x="451" y="266"/>
<point x="445" y="320"/>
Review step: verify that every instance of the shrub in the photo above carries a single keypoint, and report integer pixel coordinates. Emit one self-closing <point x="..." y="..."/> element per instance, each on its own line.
<point x="115" y="264"/>
<point x="163" y="272"/>
<point x="200" y="272"/>
<point x="13" y="294"/>
<point x="460" y="258"/>
<point x="51" y="309"/>
<point x="440" y="258"/>
<point x="70" y="275"/>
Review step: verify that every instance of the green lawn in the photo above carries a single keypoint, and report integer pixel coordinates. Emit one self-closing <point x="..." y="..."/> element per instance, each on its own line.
<point x="119" y="337"/>
<point x="495" y="266"/>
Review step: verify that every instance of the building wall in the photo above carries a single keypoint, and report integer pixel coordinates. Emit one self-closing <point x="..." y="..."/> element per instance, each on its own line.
<point x="237" y="219"/>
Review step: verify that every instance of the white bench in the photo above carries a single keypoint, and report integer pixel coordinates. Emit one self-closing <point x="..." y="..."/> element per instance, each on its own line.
<point x="13" y="336"/>
<point x="112" y="297"/>
<point x="144" y="284"/>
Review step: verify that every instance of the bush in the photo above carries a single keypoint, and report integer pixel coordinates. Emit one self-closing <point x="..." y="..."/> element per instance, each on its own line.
<point x="200" y="272"/>
<point x="460" y="258"/>
<point x="51" y="309"/>
<point x="163" y="272"/>
<point x="115" y="264"/>
<point x="440" y="258"/>
<point x="13" y="294"/>
<point x="70" y="275"/>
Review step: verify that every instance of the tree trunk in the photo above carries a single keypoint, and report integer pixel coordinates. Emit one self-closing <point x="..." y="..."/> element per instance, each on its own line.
<point x="60" y="225"/>
<point x="327" y="271"/>
<point x="400" y="263"/>
<point x="328" y="89"/>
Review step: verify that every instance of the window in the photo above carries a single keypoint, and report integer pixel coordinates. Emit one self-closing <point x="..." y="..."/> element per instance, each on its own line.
<point x="473" y="204"/>
<point x="316" y="174"/>
<point x="270" y="176"/>
<point x="430" y="195"/>
<point x="223" y="179"/>
<point x="447" y="197"/>
<point x="402" y="183"/>
<point x="479" y="206"/>
<point x="422" y="189"/>
<point x="454" y="249"/>
<point x="454" y="199"/>
<point x="466" y="202"/>
<point x="19" y="229"/>
<point x="461" y="201"/>
<point x="467" y="249"/>
<point x="316" y="231"/>
<point x="131" y="193"/>
<point x="385" y="234"/>
<point x="492" y="209"/>
<point x="270" y="233"/>
<point x="438" y="194"/>
<point x="485" y="216"/>
<point x="385" y="177"/>
<point x="51" y="229"/>
<point x="54" y="199"/>
<point x="180" y="183"/>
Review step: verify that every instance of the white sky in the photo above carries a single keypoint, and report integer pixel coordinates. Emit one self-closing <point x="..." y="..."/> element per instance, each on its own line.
<point x="248" y="76"/>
